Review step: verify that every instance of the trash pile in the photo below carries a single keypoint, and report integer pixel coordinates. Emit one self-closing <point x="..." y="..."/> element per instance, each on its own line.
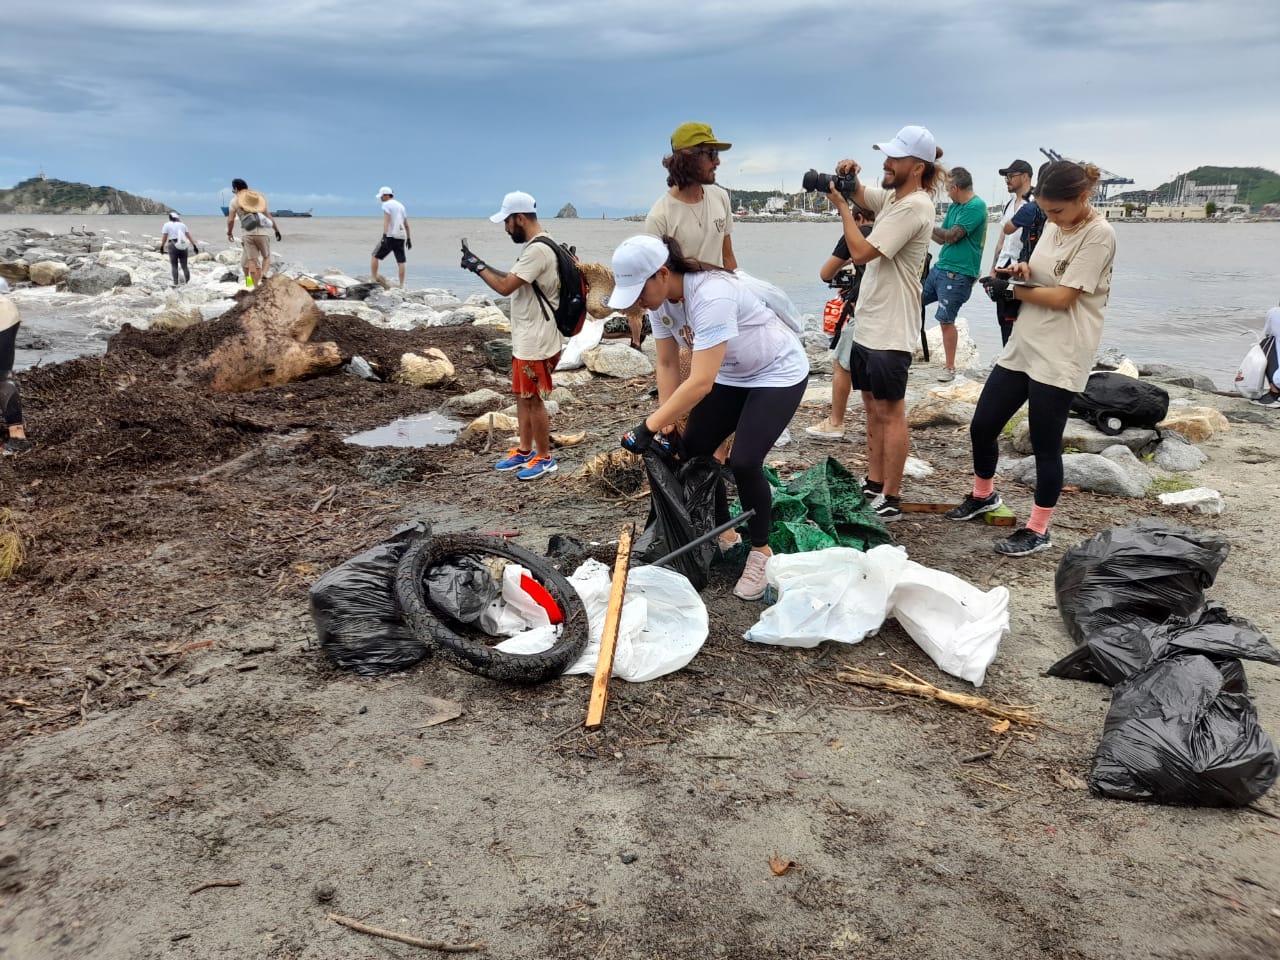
<point x="1182" y="728"/>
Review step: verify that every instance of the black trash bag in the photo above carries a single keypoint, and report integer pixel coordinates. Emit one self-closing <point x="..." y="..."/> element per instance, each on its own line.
<point x="681" y="509"/>
<point x="1113" y="653"/>
<point x="1112" y="402"/>
<point x="357" y="615"/>
<point x="1176" y="735"/>
<point x="462" y="588"/>
<point x="566" y="553"/>
<point x="1140" y="574"/>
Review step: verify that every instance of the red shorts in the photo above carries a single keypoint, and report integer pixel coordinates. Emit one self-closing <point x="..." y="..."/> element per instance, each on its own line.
<point x="532" y="378"/>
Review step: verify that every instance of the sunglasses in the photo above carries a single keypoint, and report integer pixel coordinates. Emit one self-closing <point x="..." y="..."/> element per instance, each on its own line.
<point x="707" y="152"/>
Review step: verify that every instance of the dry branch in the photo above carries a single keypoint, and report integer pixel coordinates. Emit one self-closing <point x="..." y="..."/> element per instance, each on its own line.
<point x="916" y="687"/>
<point x="441" y="945"/>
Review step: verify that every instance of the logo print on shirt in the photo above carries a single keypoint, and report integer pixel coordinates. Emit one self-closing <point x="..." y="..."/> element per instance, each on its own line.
<point x="686" y="335"/>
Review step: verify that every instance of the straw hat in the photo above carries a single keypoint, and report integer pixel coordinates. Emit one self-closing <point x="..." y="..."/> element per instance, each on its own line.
<point x="599" y="285"/>
<point x="251" y="201"/>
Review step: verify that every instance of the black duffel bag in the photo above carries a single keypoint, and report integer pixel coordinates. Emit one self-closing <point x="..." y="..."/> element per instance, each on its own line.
<point x="1113" y="402"/>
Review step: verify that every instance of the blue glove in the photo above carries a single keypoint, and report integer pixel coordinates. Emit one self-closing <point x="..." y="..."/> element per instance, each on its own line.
<point x="638" y="439"/>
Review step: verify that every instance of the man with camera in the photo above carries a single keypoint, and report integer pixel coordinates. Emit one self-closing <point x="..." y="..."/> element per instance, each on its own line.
<point x="1017" y="179"/>
<point x="888" y="326"/>
<point x="950" y="282"/>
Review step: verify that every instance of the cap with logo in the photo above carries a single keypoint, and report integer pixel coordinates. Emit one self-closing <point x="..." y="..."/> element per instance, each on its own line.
<point x="689" y="135"/>
<point x="1018" y="166"/>
<point x="911" y="141"/>
<point x="515" y="202"/>
<point x="385" y="191"/>
<point x="634" y="262"/>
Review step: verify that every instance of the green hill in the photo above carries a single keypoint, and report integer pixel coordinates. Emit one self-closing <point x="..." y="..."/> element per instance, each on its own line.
<point x="39" y="195"/>
<point x="1258" y="185"/>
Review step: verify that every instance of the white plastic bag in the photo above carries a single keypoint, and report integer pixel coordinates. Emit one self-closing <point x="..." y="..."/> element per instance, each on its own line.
<point x="514" y="611"/>
<point x="1251" y="381"/>
<point x="589" y="336"/>
<point x="775" y="298"/>
<point x="833" y="594"/>
<point x="955" y="623"/>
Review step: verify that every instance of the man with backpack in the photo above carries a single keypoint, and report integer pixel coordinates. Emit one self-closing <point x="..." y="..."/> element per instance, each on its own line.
<point x="533" y="285"/>
<point x="256" y="226"/>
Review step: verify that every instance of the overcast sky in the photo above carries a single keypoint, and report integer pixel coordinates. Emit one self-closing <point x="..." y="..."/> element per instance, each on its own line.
<point x="319" y="102"/>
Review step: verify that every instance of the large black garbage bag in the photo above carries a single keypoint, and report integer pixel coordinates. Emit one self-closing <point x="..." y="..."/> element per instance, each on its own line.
<point x="1175" y="734"/>
<point x="681" y="509"/>
<point x="1117" y="651"/>
<point x="1143" y="573"/>
<point x="1113" y="401"/>
<point x="357" y="615"/>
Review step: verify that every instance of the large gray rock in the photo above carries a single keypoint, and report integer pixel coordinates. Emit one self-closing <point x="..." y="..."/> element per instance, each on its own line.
<point x="617" y="359"/>
<point x="1177" y="456"/>
<point x="1177" y="376"/>
<point x="15" y="271"/>
<point x="937" y="411"/>
<point x="37" y="254"/>
<point x="46" y="273"/>
<point x="474" y="403"/>
<point x="1085" y="437"/>
<point x="499" y="354"/>
<point x="97" y="278"/>
<point x="1116" y="472"/>
<point x="820" y="362"/>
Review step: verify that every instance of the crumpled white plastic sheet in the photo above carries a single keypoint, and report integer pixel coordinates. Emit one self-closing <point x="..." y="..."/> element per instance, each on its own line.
<point x="663" y="626"/>
<point x="589" y="336"/>
<point x="845" y="595"/>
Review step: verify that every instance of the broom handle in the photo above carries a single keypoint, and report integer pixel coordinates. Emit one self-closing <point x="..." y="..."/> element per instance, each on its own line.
<point x="727" y="525"/>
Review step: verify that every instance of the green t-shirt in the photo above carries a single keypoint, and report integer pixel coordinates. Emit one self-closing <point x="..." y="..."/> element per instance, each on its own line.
<point x="965" y="256"/>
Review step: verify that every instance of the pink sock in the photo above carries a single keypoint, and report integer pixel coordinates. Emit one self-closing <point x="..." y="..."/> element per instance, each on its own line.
<point x="1039" y="522"/>
<point x="983" y="488"/>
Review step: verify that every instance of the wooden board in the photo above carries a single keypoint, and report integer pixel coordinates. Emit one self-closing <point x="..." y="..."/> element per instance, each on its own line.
<point x="609" y="640"/>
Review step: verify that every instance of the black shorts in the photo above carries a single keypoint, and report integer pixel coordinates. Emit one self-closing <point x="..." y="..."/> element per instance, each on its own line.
<point x="390" y="245"/>
<point x="882" y="373"/>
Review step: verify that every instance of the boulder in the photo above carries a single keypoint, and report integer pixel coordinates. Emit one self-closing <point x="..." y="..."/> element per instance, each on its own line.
<point x="475" y="402"/>
<point x="968" y="357"/>
<point x="962" y="389"/>
<point x="350" y="308"/>
<point x="820" y="362"/>
<point x="96" y="278"/>
<point x="562" y="395"/>
<point x="1108" y="358"/>
<point x="570" y="378"/>
<point x="552" y="408"/>
<point x="15" y="271"/>
<point x="617" y="360"/>
<point x="47" y="273"/>
<point x="37" y="254"/>
<point x="270" y="346"/>
<point x="938" y="412"/>
<point x="487" y="315"/>
<point x="1092" y="471"/>
<point x="1199" y="499"/>
<point x="1177" y="456"/>
<point x="499" y="354"/>
<point x="429" y="369"/>
<point x="1127" y="368"/>
<point x="1177" y="376"/>
<point x="502" y="422"/>
<point x="816" y="395"/>
<point x="1197" y="424"/>
<point x="1085" y="437"/>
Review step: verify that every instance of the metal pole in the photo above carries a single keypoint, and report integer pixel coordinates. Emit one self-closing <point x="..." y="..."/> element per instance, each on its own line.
<point x="727" y="525"/>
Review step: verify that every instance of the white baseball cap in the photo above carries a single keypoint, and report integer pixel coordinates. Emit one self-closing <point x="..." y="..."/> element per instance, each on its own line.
<point x="383" y="191"/>
<point x="634" y="262"/>
<point x="515" y="202"/>
<point x="911" y="141"/>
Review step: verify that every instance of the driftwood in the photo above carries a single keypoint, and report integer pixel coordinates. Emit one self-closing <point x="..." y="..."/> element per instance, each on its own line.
<point x="271" y="345"/>
<point x="916" y="687"/>
<point x="441" y="945"/>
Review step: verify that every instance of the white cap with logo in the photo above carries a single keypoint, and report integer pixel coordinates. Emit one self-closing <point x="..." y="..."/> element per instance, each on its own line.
<point x="634" y="262"/>
<point x="515" y="202"/>
<point x="385" y="191"/>
<point x="911" y="141"/>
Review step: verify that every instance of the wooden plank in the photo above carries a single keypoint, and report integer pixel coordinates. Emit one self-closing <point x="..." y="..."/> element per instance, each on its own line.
<point x="925" y="507"/>
<point x="612" y="619"/>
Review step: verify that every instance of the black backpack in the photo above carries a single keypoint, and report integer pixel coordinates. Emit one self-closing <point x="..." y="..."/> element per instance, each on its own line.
<point x="1112" y="402"/>
<point x="572" y="311"/>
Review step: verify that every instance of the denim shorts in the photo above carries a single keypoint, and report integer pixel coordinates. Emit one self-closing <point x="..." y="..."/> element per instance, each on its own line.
<point x="951" y="290"/>
<point x="844" y="346"/>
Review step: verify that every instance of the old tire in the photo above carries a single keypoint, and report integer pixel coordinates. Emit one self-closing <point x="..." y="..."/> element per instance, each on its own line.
<point x="452" y="640"/>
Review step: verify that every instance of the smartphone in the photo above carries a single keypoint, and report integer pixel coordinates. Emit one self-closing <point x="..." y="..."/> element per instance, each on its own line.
<point x="1024" y="283"/>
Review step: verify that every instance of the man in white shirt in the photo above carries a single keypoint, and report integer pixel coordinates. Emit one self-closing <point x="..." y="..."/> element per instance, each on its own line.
<point x="1017" y="179"/>
<point x="395" y="233"/>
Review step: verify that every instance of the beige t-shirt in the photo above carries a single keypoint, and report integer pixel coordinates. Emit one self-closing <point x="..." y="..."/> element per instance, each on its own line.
<point x="699" y="228"/>
<point x="8" y="313"/>
<point x="1057" y="347"/>
<point x="534" y="334"/>
<point x="234" y="207"/>
<point x="889" y="298"/>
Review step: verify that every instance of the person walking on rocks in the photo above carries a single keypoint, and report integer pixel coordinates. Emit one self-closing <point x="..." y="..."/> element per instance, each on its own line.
<point x="951" y="279"/>
<point x="395" y="234"/>
<point x="256" y="226"/>
<point x="535" y="339"/>
<point x="888" y="326"/>
<point x="14" y="439"/>
<point x="748" y="375"/>
<point x="176" y="240"/>
<point x="1050" y="353"/>
<point x="1017" y="179"/>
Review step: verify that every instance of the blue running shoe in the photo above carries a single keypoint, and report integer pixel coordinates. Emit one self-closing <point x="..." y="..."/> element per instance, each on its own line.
<point x="514" y="459"/>
<point x="538" y="467"/>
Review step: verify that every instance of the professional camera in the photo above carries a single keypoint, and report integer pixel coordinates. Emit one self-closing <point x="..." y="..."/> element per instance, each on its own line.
<point x="846" y="183"/>
<point x="842" y="279"/>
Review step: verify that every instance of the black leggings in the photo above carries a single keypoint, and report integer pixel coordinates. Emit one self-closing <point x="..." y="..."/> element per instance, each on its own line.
<point x="757" y="415"/>
<point x="1048" y="408"/>
<point x="177" y="257"/>
<point x="10" y="402"/>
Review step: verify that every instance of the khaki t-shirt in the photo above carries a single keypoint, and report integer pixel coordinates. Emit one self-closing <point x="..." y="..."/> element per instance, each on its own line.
<point x="889" y="298"/>
<point x="234" y="207"/>
<point x="1057" y="347"/>
<point x="9" y="316"/>
<point x="699" y="228"/>
<point x="534" y="334"/>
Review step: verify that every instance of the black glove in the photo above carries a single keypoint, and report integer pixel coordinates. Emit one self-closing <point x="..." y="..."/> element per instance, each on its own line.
<point x="278" y="237"/>
<point x="194" y="248"/>
<point x="471" y="262"/>
<point x="638" y="438"/>
<point x="998" y="288"/>
<point x="408" y="244"/>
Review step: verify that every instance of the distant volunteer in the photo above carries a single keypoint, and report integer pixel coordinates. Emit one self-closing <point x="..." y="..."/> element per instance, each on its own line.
<point x="395" y="233"/>
<point x="1051" y="349"/>
<point x="748" y="374"/>
<point x="13" y="439"/>
<point x="176" y="240"/>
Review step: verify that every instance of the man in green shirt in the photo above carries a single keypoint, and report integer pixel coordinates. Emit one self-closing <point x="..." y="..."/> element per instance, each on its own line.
<point x="962" y="235"/>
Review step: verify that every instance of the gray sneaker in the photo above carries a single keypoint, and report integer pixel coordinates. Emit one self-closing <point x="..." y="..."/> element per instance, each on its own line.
<point x="973" y="506"/>
<point x="1022" y="542"/>
<point x="1271" y="400"/>
<point x="947" y="375"/>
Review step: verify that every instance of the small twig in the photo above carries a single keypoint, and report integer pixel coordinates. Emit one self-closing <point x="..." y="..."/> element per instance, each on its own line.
<point x="1254" y="808"/>
<point x="441" y="945"/>
<point x="214" y="883"/>
<point x="978" y="756"/>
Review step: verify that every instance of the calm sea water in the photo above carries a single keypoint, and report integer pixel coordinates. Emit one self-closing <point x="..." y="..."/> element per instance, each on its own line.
<point x="1190" y="294"/>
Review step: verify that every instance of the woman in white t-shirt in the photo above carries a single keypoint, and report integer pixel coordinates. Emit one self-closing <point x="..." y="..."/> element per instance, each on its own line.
<point x="176" y="240"/>
<point x="1049" y="356"/>
<point x="748" y="374"/>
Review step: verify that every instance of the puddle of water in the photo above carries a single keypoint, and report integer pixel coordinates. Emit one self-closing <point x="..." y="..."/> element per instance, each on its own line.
<point x="423" y="430"/>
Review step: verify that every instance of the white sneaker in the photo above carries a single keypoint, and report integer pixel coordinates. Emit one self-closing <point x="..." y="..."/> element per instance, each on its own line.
<point x="752" y="583"/>
<point x="947" y="375"/>
<point x="824" y="429"/>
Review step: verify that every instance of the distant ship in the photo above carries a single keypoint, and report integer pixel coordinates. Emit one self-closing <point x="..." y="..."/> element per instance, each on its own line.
<point x="275" y="213"/>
